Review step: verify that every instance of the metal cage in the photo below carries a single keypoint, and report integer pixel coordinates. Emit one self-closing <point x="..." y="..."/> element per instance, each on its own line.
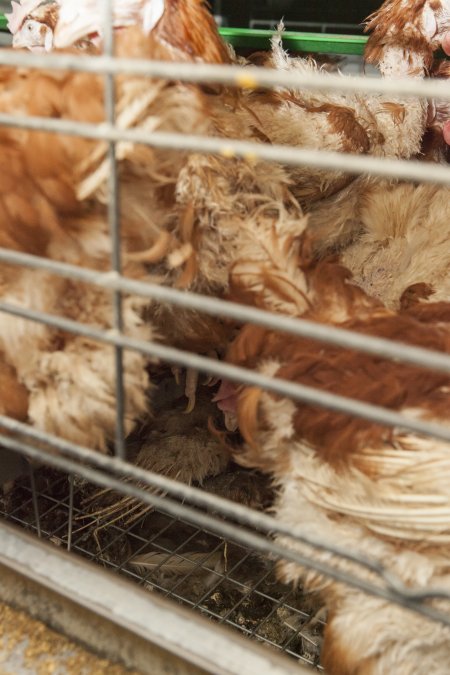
<point x="99" y="605"/>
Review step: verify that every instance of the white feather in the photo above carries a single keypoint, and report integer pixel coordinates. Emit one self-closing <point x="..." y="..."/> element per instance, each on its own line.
<point x="152" y="13"/>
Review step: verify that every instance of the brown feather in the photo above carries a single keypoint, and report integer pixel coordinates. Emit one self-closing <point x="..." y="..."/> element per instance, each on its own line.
<point x="14" y="396"/>
<point x="347" y="372"/>
<point x="189" y="28"/>
<point x="386" y="23"/>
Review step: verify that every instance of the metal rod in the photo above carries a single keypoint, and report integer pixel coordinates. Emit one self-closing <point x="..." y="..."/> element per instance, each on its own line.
<point x="406" y="597"/>
<point x="347" y="163"/>
<point x="248" y="77"/>
<point x="114" y="228"/>
<point x="34" y="499"/>
<point x="292" y="390"/>
<point x="381" y="347"/>
<point x="70" y="519"/>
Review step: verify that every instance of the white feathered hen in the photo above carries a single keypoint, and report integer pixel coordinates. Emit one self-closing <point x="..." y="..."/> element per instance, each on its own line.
<point x="32" y="23"/>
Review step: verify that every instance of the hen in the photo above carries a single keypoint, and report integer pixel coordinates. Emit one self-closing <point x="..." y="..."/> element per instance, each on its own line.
<point x="180" y="29"/>
<point x="65" y="383"/>
<point x="401" y="43"/>
<point x="392" y="234"/>
<point x="61" y="383"/>
<point x="228" y="224"/>
<point x="32" y="23"/>
<point x="383" y="493"/>
<point x="184" y="220"/>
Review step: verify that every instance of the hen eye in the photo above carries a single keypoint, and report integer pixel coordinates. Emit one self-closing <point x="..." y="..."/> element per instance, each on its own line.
<point x="29" y="26"/>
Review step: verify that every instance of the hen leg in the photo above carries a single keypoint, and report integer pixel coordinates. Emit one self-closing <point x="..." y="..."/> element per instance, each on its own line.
<point x="191" y="388"/>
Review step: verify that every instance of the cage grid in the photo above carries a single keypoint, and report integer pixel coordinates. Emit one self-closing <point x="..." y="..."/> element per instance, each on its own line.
<point x="239" y="537"/>
<point x="279" y="622"/>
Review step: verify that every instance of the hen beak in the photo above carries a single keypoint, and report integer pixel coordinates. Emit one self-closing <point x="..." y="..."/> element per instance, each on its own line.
<point x="20" y="43"/>
<point x="69" y="32"/>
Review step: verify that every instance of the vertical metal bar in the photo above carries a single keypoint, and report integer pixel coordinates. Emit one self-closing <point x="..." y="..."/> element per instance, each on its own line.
<point x="35" y="501"/>
<point x="70" y="520"/>
<point x="114" y="226"/>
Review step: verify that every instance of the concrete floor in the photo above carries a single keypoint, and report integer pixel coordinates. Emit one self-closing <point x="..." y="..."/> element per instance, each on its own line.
<point x="28" y="647"/>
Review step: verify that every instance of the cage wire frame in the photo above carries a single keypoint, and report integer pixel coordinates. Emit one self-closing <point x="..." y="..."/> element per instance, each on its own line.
<point x="203" y="598"/>
<point x="238" y="523"/>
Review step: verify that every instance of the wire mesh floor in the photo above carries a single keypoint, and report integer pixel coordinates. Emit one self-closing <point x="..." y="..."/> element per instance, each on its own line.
<point x="225" y="582"/>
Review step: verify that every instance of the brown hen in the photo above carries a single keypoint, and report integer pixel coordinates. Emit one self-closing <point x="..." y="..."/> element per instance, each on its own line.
<point x="380" y="492"/>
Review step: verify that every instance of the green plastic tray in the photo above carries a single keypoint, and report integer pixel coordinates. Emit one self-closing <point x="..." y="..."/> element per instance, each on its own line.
<point x="323" y="43"/>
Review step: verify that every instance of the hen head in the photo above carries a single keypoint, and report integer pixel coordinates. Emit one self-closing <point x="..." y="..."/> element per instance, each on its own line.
<point x="180" y="29"/>
<point x="32" y="24"/>
<point x="19" y="12"/>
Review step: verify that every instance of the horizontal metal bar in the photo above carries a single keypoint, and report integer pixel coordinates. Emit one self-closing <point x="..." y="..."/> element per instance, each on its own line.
<point x="229" y="148"/>
<point x="405" y="597"/>
<point x="381" y="347"/>
<point x="249" y="77"/>
<point x="299" y="392"/>
<point x="109" y="614"/>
